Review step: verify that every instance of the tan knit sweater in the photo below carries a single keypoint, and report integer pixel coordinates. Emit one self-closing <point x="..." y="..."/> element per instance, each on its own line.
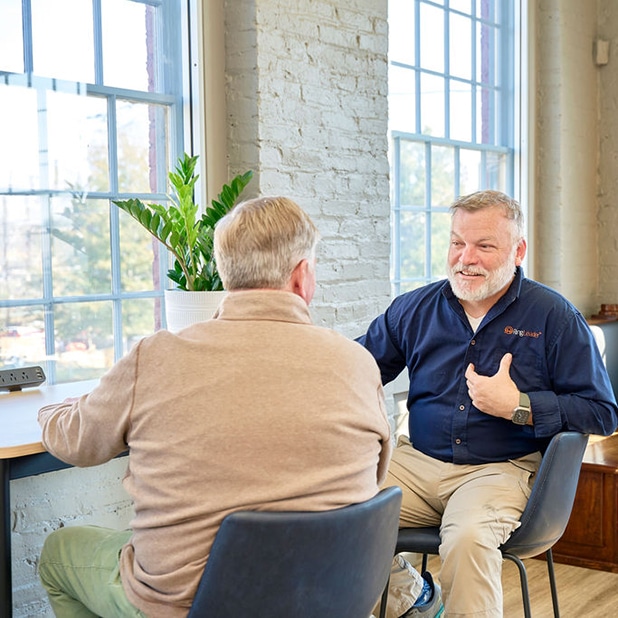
<point x="256" y="409"/>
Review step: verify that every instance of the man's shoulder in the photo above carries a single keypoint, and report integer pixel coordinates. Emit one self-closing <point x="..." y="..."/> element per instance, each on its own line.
<point x="421" y="297"/>
<point x="532" y="290"/>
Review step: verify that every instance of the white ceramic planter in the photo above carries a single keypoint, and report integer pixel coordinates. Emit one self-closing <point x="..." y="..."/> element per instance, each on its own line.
<point x="183" y="309"/>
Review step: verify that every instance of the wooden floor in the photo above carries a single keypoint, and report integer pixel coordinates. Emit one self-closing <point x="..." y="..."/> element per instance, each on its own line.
<point x="582" y="593"/>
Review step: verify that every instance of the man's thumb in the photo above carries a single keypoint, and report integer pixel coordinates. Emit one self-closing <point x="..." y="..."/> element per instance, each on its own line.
<point x="505" y="362"/>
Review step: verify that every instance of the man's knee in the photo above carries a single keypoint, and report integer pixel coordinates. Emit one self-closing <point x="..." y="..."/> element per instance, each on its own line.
<point x="466" y="538"/>
<point x="52" y="544"/>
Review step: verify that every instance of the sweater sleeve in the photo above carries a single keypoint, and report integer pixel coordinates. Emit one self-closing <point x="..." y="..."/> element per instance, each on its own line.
<point x="93" y="429"/>
<point x="387" y="445"/>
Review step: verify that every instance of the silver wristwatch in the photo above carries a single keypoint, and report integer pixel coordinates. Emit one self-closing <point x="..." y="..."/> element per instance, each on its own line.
<point x="521" y="413"/>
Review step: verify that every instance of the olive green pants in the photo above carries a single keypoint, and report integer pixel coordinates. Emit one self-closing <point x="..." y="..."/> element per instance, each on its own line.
<point x="79" y="570"/>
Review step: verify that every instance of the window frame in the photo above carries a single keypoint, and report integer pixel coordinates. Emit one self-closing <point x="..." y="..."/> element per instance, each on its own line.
<point x="510" y="128"/>
<point x="180" y="96"/>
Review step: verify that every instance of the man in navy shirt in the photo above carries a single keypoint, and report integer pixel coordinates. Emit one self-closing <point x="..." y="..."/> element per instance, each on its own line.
<point x="498" y="364"/>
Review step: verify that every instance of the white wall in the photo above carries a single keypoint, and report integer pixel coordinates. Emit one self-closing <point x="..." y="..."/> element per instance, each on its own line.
<point x="607" y="30"/>
<point x="566" y="255"/>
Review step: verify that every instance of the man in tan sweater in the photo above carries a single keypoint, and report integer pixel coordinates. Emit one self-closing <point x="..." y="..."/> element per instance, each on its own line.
<point x="254" y="409"/>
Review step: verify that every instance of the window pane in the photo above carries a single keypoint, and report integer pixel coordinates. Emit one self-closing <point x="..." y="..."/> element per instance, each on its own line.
<point x="140" y="255"/>
<point x="465" y="6"/>
<point x="84" y="342"/>
<point x="20" y="248"/>
<point x="11" y="39"/>
<point x="432" y="105"/>
<point x="496" y="170"/>
<point x="140" y="317"/>
<point x="412" y="244"/>
<point x="128" y="39"/>
<point x="19" y="153"/>
<point x="63" y="40"/>
<point x="460" y="47"/>
<point x="136" y="123"/>
<point x="402" y="101"/>
<point x="461" y="111"/>
<point x="80" y="246"/>
<point x="469" y="171"/>
<point x="486" y="116"/>
<point x="401" y="31"/>
<point x="412" y="173"/>
<point x="22" y="337"/>
<point x="77" y="138"/>
<point x="442" y="175"/>
<point x="440" y="237"/>
<point x="432" y="38"/>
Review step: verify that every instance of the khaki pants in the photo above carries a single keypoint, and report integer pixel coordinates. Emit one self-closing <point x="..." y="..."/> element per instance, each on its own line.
<point x="477" y="508"/>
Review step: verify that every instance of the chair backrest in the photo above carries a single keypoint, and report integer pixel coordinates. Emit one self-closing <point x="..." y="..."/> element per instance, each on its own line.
<point x="549" y="507"/>
<point x="331" y="564"/>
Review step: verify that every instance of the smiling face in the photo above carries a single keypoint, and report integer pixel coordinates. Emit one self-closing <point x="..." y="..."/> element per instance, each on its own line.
<point x="483" y="253"/>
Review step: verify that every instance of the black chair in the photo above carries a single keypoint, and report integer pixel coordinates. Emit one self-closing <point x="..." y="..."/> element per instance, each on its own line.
<point x="542" y="523"/>
<point x="326" y="564"/>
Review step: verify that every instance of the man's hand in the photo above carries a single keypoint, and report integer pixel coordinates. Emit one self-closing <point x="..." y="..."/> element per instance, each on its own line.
<point x="497" y="395"/>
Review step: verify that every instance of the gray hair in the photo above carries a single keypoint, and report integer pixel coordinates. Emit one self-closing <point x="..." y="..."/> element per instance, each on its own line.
<point x="260" y="242"/>
<point x="492" y="199"/>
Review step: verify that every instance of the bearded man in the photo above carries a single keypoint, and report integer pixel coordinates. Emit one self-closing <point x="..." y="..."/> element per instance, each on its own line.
<point x="498" y="364"/>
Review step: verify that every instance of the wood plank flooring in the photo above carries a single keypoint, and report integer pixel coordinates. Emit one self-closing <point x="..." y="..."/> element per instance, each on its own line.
<point x="582" y="593"/>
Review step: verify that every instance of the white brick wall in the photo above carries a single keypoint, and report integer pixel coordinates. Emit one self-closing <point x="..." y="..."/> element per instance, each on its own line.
<point x="307" y="98"/>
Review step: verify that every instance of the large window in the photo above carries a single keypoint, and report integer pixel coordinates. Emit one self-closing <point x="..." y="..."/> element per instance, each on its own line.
<point x="91" y="93"/>
<point x="452" y="102"/>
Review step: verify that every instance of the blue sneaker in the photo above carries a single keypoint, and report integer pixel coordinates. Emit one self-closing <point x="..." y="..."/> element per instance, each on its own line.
<point x="429" y="603"/>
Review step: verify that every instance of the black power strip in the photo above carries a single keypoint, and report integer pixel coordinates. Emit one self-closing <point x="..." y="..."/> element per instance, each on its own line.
<point x="21" y="377"/>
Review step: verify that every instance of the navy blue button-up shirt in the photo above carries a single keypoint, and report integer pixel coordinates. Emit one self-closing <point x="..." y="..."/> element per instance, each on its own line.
<point x="555" y="361"/>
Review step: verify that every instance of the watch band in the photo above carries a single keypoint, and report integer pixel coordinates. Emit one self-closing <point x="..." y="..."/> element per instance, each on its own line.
<point x="524" y="401"/>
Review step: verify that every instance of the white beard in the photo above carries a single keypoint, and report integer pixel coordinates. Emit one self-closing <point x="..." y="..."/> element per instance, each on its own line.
<point x="493" y="282"/>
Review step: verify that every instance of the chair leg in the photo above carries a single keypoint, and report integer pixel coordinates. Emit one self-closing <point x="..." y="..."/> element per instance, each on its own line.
<point x="424" y="565"/>
<point x="552" y="582"/>
<point x="523" y="578"/>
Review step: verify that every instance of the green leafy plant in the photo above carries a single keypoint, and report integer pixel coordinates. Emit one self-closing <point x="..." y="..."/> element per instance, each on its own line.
<point x="177" y="227"/>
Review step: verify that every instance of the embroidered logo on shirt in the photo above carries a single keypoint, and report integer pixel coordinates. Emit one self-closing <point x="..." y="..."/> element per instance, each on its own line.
<point x="509" y="330"/>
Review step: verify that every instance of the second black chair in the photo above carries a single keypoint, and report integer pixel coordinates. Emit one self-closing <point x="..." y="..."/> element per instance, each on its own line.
<point x="542" y="523"/>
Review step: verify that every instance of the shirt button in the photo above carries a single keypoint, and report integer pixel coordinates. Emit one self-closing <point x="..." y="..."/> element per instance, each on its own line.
<point x="458" y="441"/>
<point x="462" y="407"/>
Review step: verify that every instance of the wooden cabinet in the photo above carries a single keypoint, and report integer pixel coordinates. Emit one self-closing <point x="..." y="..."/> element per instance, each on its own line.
<point x="591" y="538"/>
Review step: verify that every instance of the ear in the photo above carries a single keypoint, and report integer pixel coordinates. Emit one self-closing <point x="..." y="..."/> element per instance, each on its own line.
<point x="521" y="252"/>
<point x="302" y="281"/>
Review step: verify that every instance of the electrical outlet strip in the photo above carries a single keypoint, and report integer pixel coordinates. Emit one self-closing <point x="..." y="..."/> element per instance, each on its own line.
<point x="21" y="377"/>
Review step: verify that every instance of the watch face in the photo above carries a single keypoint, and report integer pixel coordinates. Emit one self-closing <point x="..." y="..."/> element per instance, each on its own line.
<point x="520" y="416"/>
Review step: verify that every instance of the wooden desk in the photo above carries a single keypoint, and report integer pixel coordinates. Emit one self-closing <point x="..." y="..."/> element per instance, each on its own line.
<point x="21" y="455"/>
<point x="591" y="538"/>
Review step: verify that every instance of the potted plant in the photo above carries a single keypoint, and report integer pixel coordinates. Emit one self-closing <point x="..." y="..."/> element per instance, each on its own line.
<point x="189" y="239"/>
